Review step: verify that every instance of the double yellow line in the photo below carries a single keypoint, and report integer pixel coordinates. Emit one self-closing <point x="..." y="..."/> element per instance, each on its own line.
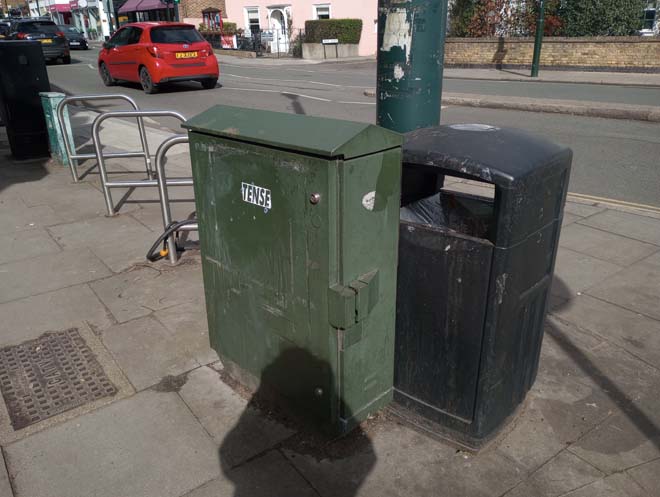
<point x="617" y="203"/>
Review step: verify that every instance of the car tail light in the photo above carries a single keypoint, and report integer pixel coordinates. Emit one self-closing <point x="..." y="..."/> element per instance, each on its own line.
<point x="154" y="52"/>
<point x="59" y="34"/>
<point x="210" y="49"/>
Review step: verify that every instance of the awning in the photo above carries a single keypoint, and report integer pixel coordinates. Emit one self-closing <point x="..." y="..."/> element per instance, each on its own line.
<point x="150" y="5"/>
<point x="129" y="6"/>
<point x="58" y="7"/>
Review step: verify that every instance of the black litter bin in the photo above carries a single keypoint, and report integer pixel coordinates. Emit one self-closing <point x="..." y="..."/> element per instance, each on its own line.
<point x="22" y="76"/>
<point x="474" y="274"/>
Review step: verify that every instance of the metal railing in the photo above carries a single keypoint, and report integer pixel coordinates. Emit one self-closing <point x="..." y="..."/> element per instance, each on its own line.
<point x="70" y="147"/>
<point x="163" y="183"/>
<point x="100" y="157"/>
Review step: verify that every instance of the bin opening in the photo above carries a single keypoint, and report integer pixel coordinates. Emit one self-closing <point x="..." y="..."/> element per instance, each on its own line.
<point x="455" y="207"/>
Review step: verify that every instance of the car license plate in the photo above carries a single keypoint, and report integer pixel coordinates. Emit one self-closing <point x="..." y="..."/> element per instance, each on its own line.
<point x="186" y="55"/>
<point x="46" y="41"/>
<point x="74" y="43"/>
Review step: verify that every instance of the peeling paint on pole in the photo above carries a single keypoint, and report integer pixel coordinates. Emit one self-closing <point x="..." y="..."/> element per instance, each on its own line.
<point x="411" y="40"/>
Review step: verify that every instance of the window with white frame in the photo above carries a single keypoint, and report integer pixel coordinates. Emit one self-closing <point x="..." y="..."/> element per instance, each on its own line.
<point x="650" y="14"/>
<point x="322" y="11"/>
<point x="252" y="19"/>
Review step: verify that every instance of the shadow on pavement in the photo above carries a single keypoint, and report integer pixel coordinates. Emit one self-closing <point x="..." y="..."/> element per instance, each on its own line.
<point x="637" y="417"/>
<point x="13" y="171"/>
<point x="248" y="476"/>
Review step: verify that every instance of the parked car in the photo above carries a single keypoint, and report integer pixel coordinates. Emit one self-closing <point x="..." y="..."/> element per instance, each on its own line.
<point x="74" y="36"/>
<point x="154" y="53"/>
<point x="53" y="42"/>
<point x="4" y="29"/>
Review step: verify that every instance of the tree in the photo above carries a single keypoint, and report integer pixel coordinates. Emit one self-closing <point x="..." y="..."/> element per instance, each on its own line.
<point x="489" y="18"/>
<point x="460" y="14"/>
<point x="526" y="17"/>
<point x="601" y="17"/>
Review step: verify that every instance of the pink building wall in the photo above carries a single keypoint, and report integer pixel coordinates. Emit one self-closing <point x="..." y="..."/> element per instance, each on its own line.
<point x="303" y="10"/>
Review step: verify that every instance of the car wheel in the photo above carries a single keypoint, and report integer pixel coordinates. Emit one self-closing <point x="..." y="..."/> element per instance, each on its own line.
<point x="66" y="59"/>
<point x="209" y="84"/>
<point x="147" y="83"/>
<point x="107" y="78"/>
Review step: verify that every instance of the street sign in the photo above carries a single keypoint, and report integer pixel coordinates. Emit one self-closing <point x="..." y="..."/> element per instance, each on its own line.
<point x="266" y="36"/>
<point x="330" y="41"/>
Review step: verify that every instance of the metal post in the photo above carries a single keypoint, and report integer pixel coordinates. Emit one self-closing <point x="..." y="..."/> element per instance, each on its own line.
<point x="108" y="14"/>
<point x="538" y="40"/>
<point x="411" y="49"/>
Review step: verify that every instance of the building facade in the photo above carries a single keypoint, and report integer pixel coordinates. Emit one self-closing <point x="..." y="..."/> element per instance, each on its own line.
<point x="87" y="15"/>
<point x="285" y="20"/>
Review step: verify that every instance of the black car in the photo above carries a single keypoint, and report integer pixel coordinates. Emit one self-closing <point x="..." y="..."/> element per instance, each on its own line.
<point x="53" y="41"/>
<point x="4" y="29"/>
<point x="75" y="37"/>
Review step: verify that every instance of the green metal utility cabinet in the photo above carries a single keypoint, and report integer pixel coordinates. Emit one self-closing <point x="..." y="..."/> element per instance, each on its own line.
<point x="298" y="222"/>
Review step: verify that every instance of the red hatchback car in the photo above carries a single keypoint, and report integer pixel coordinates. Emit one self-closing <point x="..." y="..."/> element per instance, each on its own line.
<point x="152" y="53"/>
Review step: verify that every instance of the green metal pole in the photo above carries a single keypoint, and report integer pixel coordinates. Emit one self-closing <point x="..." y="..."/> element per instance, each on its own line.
<point x="539" y="40"/>
<point x="411" y="51"/>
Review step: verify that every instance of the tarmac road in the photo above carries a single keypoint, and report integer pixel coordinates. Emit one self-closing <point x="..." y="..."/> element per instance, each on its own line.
<point x="615" y="159"/>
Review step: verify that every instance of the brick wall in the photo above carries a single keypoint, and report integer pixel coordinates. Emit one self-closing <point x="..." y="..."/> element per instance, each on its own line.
<point x="192" y="9"/>
<point x="605" y="54"/>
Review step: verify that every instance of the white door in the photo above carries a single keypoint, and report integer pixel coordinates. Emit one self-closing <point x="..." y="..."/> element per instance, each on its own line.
<point x="280" y="41"/>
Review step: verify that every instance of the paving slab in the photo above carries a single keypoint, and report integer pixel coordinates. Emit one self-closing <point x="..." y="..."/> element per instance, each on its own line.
<point x="616" y="485"/>
<point x="49" y="272"/>
<point x="242" y="431"/>
<point x="637" y="288"/>
<point x="623" y="441"/>
<point x="648" y="477"/>
<point x="21" y="245"/>
<point x="606" y="368"/>
<point x="16" y="216"/>
<point x="148" y="445"/>
<point x="579" y="272"/>
<point x="394" y="460"/>
<point x="70" y="201"/>
<point x="562" y="474"/>
<point x="270" y="475"/>
<point x="639" y="227"/>
<point x="605" y="245"/>
<point x="637" y="334"/>
<point x="569" y="219"/>
<point x="190" y="320"/>
<point x="5" y="486"/>
<point x="141" y="291"/>
<point x="581" y="209"/>
<point x="147" y="351"/>
<point x="70" y="307"/>
<point x="119" y="242"/>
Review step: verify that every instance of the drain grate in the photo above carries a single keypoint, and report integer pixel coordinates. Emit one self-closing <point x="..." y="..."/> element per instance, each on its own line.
<point x="50" y="375"/>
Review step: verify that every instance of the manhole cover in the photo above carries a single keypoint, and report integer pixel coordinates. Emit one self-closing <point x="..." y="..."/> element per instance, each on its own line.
<point x="50" y="375"/>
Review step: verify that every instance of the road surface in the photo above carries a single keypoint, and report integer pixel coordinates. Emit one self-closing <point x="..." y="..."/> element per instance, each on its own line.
<point x="613" y="158"/>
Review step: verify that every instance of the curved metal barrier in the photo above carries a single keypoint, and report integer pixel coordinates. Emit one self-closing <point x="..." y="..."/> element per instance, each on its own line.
<point x="70" y="146"/>
<point x="164" y="197"/>
<point x="100" y="157"/>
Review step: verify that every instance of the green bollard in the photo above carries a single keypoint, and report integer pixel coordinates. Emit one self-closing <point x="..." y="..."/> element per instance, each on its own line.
<point x="50" y="100"/>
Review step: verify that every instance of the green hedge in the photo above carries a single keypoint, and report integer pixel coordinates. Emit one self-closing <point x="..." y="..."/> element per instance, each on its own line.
<point x="345" y="30"/>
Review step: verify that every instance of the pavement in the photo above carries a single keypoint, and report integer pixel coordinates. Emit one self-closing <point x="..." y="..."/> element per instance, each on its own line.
<point x="169" y="424"/>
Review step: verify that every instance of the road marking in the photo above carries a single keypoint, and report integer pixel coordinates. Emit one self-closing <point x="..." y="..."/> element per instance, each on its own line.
<point x="611" y="201"/>
<point x="91" y="67"/>
<point x="295" y="81"/>
<point x="277" y="91"/>
<point x="357" y="103"/>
